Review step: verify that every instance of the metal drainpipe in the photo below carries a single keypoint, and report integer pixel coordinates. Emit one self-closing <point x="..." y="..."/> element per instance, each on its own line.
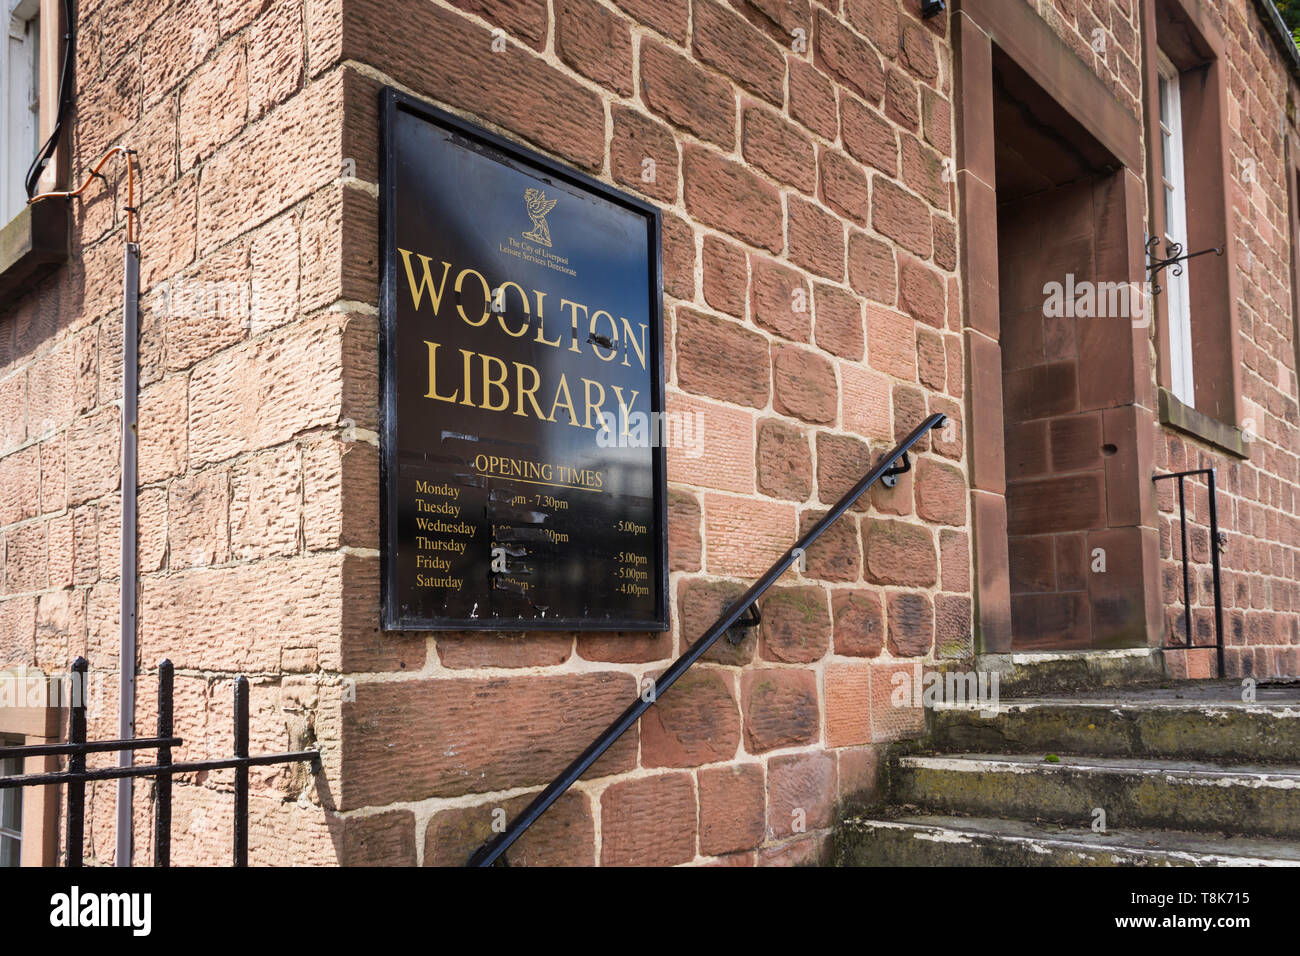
<point x="128" y="572"/>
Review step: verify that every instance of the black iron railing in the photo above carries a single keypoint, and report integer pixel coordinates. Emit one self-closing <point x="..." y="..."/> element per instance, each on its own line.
<point x="1215" y="545"/>
<point x="77" y="775"/>
<point x="894" y="462"/>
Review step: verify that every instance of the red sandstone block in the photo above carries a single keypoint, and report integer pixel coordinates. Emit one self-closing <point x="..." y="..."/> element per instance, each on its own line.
<point x="273" y="164"/>
<point x="178" y="41"/>
<point x="848" y="703"/>
<point x="849" y="57"/>
<point x="685" y="519"/>
<point x="743" y="536"/>
<point x="563" y="836"/>
<point x="59" y="385"/>
<point x="921" y="292"/>
<point x="918" y="51"/>
<point x="726" y="276"/>
<point x="696" y="721"/>
<point x="869" y="137"/>
<point x="940" y="493"/>
<point x="13" y="411"/>
<point x="238" y="618"/>
<point x="380" y="839"/>
<point x="728" y="43"/>
<point x="901" y="99"/>
<point x="524" y="730"/>
<point x="595" y="42"/>
<point x="805" y="384"/>
<point x="649" y="821"/>
<point x="858" y="623"/>
<point x="781" y="708"/>
<point x="266" y="504"/>
<point x="784" y="460"/>
<point x="198" y="509"/>
<point x="699" y="604"/>
<point x="859" y="773"/>
<point x="896" y="710"/>
<point x="780" y="299"/>
<point x="726" y="195"/>
<point x="891" y="346"/>
<point x="901" y="216"/>
<point x="844" y="185"/>
<point x="690" y="98"/>
<point x="525" y="19"/>
<point x="931" y="359"/>
<point x="898" y="552"/>
<point x="669" y="17"/>
<point x="796" y="626"/>
<point x="816" y="239"/>
<point x="679" y="265"/>
<point x="801" y="790"/>
<point x="837" y="554"/>
<point x="643" y="155"/>
<point x="954" y="551"/>
<point x="27" y="558"/>
<point x="721" y="359"/>
<point x="911" y="624"/>
<point x="952" y="626"/>
<point x="54" y="474"/>
<point x="877" y="20"/>
<point x="213" y="105"/>
<point x="778" y="148"/>
<point x="732" y="808"/>
<point x="93" y="448"/>
<point x="18" y="630"/>
<point x="812" y="99"/>
<point x="872" y="270"/>
<point x="164" y="432"/>
<point x="287" y="382"/>
<point x="340" y="482"/>
<point x="20" y="485"/>
<point x="866" y="401"/>
<point x="710" y="445"/>
<point x="842" y="460"/>
<point x="923" y="172"/>
<point x="275" y="57"/>
<point x="625" y="648"/>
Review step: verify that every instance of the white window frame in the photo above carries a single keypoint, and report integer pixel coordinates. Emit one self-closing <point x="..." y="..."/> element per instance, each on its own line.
<point x="20" y="92"/>
<point x="1174" y="186"/>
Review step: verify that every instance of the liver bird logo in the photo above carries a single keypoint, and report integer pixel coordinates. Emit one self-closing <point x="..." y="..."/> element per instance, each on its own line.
<point x="538" y="206"/>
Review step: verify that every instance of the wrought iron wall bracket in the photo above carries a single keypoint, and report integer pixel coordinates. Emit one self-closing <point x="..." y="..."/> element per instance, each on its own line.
<point x="754" y="617"/>
<point x="890" y="478"/>
<point x="1175" y="258"/>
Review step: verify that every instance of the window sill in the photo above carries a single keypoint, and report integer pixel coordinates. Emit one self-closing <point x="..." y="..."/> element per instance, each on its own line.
<point x="32" y="244"/>
<point x="1188" y="420"/>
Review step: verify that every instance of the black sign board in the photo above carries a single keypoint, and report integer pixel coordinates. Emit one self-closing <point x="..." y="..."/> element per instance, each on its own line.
<point x="523" y="479"/>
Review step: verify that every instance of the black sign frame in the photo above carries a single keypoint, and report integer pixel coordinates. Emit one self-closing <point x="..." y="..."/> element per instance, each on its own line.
<point x="392" y="103"/>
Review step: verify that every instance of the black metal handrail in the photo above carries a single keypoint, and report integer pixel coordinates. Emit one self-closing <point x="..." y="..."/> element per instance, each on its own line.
<point x="889" y="465"/>
<point x="1214" y="561"/>
<point x="76" y="776"/>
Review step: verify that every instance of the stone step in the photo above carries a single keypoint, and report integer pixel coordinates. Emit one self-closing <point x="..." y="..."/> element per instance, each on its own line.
<point x="1133" y="792"/>
<point x="984" y="841"/>
<point x="1036" y="673"/>
<point x="1195" y="723"/>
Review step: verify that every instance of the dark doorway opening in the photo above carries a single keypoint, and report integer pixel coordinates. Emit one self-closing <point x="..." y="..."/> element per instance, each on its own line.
<point x="1067" y="313"/>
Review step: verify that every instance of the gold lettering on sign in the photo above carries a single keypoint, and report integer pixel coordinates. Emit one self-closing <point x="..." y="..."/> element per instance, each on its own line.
<point x="488" y="382"/>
